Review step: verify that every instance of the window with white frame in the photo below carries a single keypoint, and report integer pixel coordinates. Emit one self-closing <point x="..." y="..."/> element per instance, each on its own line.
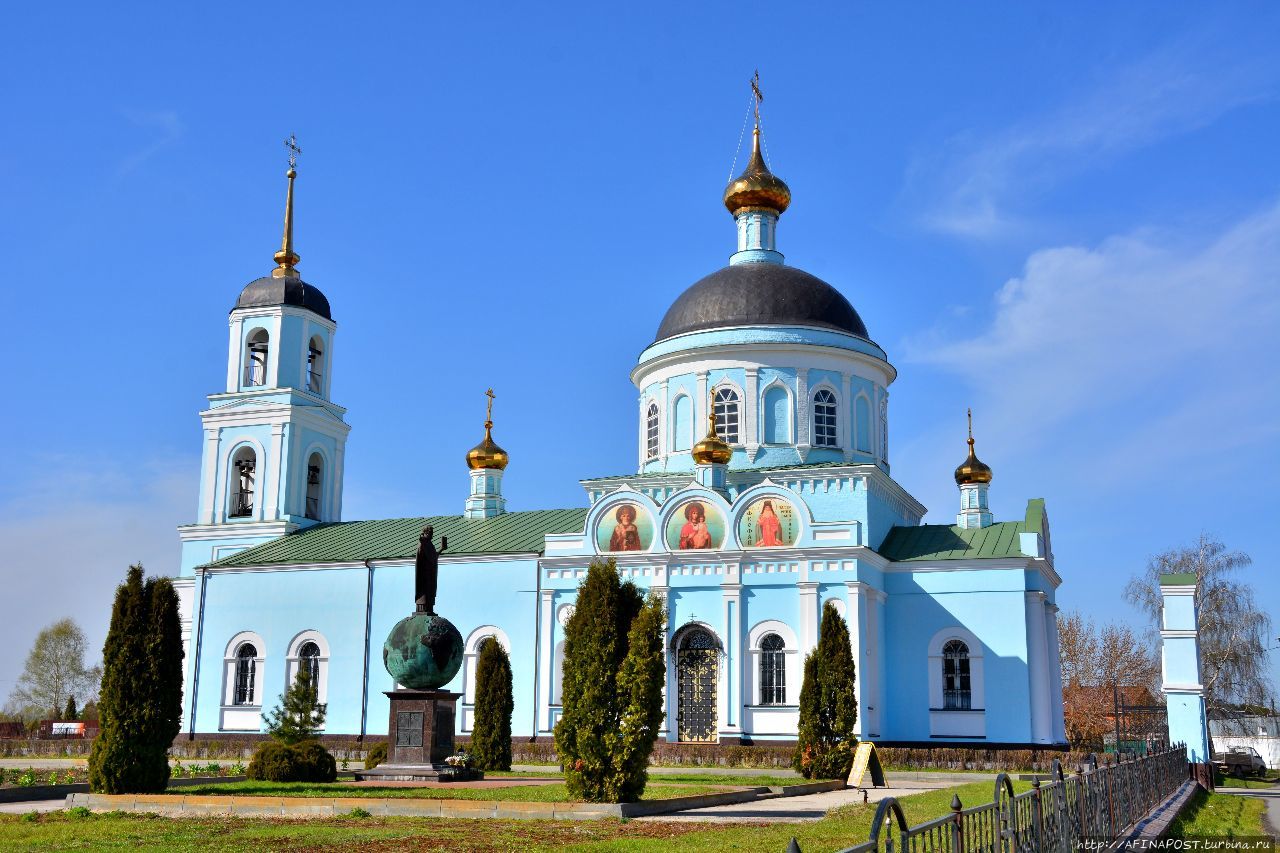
<point x="309" y="662"/>
<point x="651" y="431"/>
<point x="824" y="419"/>
<point x="773" y="670"/>
<point x="726" y="411"/>
<point x="246" y="675"/>
<point x="957" y="694"/>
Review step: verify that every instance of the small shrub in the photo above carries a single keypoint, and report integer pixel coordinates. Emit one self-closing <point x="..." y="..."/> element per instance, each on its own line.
<point x="377" y="755"/>
<point x="304" y="762"/>
<point x="79" y="813"/>
<point x="237" y="769"/>
<point x="53" y="778"/>
<point x="359" y="814"/>
<point x="26" y="780"/>
<point x="31" y="817"/>
<point x="69" y="778"/>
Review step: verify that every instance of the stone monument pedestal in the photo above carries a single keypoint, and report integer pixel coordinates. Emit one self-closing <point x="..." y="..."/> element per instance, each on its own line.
<point x="421" y="731"/>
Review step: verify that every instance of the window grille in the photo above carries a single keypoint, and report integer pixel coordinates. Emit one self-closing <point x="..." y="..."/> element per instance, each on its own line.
<point x="651" y="431"/>
<point x="246" y="670"/>
<point x="309" y="659"/>
<point x="773" y="671"/>
<point x="726" y="409"/>
<point x="824" y="419"/>
<point x="956" y="692"/>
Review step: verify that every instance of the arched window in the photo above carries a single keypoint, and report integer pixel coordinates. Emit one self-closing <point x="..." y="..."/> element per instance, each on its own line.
<point x="246" y="674"/>
<point x="773" y="671"/>
<point x="243" y="473"/>
<point x="957" y="694"/>
<point x="255" y="364"/>
<point x="309" y="660"/>
<point x="824" y="419"/>
<point x="682" y="424"/>
<point x="315" y="468"/>
<point x="726" y="407"/>
<point x="651" y="431"/>
<point x="315" y="366"/>
<point x="862" y="410"/>
<point x="777" y="416"/>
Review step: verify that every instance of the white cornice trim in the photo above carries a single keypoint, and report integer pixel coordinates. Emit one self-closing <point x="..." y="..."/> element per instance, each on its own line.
<point x="1176" y="633"/>
<point x="734" y="351"/>
<point x="231" y="530"/>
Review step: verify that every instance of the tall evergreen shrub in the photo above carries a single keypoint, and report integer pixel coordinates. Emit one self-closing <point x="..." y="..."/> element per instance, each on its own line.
<point x="300" y="714"/>
<point x="609" y="718"/>
<point x="71" y="712"/>
<point x="828" y="705"/>
<point x="491" y="736"/>
<point x="140" y="704"/>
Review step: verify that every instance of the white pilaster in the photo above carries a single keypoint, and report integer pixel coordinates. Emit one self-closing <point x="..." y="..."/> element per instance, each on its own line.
<point x="845" y="415"/>
<point x="751" y="412"/>
<point x="1038" y="667"/>
<point x="804" y="441"/>
<point x="808" y="617"/>
<point x="545" y="655"/>
<point x="212" y="476"/>
<point x="855" y="608"/>
<point x="664" y="415"/>
<point x="731" y="694"/>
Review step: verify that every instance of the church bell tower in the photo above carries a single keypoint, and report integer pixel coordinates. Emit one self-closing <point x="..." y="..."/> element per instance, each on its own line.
<point x="273" y="439"/>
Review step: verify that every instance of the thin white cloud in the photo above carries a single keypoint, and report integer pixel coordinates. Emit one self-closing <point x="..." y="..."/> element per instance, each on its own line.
<point x="970" y="186"/>
<point x="1144" y="333"/>
<point x="167" y="127"/>
<point x="68" y="530"/>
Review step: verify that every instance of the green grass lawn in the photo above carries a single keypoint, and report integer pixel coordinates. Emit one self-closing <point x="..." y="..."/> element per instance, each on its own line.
<point x="67" y="831"/>
<point x="728" y="777"/>
<point x="1267" y="780"/>
<point x="555" y="793"/>
<point x="1219" y="814"/>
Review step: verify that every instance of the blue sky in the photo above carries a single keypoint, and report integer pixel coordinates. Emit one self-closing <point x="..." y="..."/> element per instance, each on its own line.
<point x="1065" y="217"/>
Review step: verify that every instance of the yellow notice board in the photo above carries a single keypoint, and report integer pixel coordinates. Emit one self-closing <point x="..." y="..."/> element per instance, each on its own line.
<point x="865" y="758"/>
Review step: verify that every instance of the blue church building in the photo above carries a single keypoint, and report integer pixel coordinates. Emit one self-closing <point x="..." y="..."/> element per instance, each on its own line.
<point x="762" y="492"/>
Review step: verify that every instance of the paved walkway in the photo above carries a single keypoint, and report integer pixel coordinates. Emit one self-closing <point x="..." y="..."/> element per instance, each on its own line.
<point x="810" y="806"/>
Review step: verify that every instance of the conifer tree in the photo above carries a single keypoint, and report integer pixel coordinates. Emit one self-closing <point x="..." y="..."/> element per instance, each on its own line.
<point x="589" y="735"/>
<point x="71" y="712"/>
<point x="300" y="715"/>
<point x="640" y="681"/>
<point x="491" y="737"/>
<point x="140" y="704"/>
<point x="828" y="704"/>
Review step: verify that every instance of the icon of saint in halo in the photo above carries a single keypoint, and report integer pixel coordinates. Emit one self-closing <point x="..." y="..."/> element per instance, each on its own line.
<point x="626" y="536"/>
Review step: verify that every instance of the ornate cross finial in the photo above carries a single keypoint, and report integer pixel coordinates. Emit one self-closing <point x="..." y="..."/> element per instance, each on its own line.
<point x="711" y="414"/>
<point x="488" y="416"/>
<point x="970" y="414"/>
<point x="292" y="144"/>
<point x="759" y="96"/>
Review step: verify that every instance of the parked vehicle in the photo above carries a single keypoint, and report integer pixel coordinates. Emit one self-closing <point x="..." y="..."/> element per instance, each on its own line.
<point x="1241" y="761"/>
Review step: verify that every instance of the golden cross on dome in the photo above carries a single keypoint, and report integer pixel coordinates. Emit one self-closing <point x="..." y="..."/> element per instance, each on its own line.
<point x="488" y="416"/>
<point x="970" y="414"/>
<point x="759" y="96"/>
<point x="292" y="144"/>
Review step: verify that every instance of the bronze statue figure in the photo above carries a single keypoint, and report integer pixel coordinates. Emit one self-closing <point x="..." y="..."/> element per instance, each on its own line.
<point x="427" y="569"/>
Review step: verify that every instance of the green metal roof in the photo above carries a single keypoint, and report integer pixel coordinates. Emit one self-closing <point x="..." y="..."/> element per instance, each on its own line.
<point x="655" y="474"/>
<point x="392" y="538"/>
<point x="1179" y="579"/>
<point x="947" y="542"/>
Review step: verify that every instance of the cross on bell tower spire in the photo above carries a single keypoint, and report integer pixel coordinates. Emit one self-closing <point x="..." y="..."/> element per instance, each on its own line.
<point x="286" y="259"/>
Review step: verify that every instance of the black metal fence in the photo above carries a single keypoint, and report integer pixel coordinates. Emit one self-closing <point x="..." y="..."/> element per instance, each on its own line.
<point x="1096" y="802"/>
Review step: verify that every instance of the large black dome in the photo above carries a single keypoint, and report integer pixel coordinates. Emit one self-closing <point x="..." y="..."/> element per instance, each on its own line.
<point x="760" y="294"/>
<point x="267" y="291"/>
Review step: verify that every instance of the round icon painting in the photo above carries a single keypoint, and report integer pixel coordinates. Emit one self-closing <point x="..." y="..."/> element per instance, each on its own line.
<point x="695" y="525"/>
<point x="624" y="527"/>
<point x="768" y="523"/>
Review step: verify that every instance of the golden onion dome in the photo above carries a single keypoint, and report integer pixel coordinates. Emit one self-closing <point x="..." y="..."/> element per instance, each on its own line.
<point x="973" y="469"/>
<point x="712" y="448"/>
<point x="757" y="187"/>
<point x="487" y="454"/>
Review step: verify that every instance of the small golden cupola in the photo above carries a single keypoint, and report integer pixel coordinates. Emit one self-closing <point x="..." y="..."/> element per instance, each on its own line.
<point x="712" y="449"/>
<point x="972" y="470"/>
<point x="487" y="454"/>
<point x="757" y="188"/>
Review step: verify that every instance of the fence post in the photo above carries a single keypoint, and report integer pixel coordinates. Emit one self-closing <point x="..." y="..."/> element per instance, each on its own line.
<point x="957" y="825"/>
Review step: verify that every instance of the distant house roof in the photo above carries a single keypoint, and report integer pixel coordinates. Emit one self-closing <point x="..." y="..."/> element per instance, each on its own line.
<point x="395" y="538"/>
<point x="931" y="542"/>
